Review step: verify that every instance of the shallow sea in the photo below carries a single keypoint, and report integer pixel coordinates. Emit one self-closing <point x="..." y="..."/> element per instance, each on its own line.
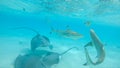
<point x="105" y="21"/>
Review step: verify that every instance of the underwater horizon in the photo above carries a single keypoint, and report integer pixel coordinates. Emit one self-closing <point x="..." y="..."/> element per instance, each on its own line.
<point x="63" y="24"/>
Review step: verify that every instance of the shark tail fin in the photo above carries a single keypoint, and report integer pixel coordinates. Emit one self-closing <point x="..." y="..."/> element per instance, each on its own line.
<point x="89" y="61"/>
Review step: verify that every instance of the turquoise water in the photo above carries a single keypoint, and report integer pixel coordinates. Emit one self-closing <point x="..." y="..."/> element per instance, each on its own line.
<point x="41" y="15"/>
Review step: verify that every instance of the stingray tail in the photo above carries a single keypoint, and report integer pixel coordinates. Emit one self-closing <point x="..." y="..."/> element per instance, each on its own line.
<point x="68" y="50"/>
<point x="28" y="29"/>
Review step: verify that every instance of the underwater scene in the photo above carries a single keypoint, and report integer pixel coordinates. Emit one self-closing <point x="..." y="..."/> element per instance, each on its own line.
<point x="59" y="33"/>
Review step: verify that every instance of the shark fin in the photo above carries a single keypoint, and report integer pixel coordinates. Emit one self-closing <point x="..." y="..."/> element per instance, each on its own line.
<point x="89" y="61"/>
<point x="89" y="44"/>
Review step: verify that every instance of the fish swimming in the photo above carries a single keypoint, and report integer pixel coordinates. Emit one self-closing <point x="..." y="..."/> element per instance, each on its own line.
<point x="68" y="34"/>
<point x="38" y="40"/>
<point x="99" y="48"/>
<point x="87" y="23"/>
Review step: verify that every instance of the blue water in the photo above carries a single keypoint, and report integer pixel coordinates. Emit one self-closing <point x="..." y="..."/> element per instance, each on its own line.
<point x="41" y="15"/>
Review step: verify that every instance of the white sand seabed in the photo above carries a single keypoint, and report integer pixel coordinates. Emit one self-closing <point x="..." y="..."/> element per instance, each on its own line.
<point x="9" y="50"/>
<point x="73" y="59"/>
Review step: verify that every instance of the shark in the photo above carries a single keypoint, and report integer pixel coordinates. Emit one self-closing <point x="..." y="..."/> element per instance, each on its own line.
<point x="68" y="33"/>
<point x="99" y="48"/>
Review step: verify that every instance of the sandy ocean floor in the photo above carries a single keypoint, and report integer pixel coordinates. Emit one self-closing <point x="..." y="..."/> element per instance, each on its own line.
<point x="80" y="15"/>
<point x="13" y="46"/>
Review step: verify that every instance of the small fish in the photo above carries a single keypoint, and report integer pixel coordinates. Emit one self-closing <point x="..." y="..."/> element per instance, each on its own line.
<point x="21" y="42"/>
<point x="24" y="9"/>
<point x="88" y="23"/>
<point x="68" y="34"/>
<point x="99" y="48"/>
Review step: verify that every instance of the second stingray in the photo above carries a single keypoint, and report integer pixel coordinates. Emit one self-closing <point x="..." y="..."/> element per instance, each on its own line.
<point x="38" y="40"/>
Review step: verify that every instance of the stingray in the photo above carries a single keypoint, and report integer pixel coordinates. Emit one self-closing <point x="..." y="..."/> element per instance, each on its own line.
<point x="39" y="59"/>
<point x="54" y="58"/>
<point x="68" y="33"/>
<point x="38" y="40"/>
<point x="28" y="61"/>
